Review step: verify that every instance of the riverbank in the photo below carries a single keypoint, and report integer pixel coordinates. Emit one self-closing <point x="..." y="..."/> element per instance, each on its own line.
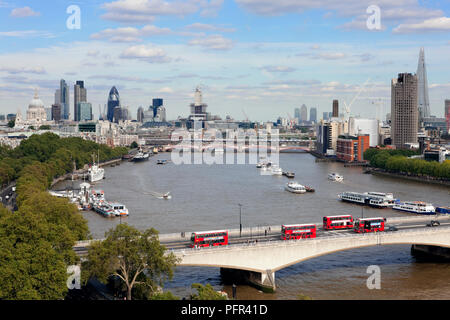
<point x="405" y="176"/>
<point x="80" y="172"/>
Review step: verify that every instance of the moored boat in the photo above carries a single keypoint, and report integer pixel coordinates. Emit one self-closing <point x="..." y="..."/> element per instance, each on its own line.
<point x="418" y="207"/>
<point x="444" y="210"/>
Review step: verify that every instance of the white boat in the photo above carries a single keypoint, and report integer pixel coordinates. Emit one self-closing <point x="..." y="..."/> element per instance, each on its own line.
<point x="97" y="196"/>
<point x="381" y="200"/>
<point x="141" y="156"/>
<point x="353" y="197"/>
<point x="276" y="170"/>
<point x="418" y="207"/>
<point x="295" y="187"/>
<point x="374" y="199"/>
<point x="95" y="173"/>
<point x="335" y="177"/>
<point x="119" y="209"/>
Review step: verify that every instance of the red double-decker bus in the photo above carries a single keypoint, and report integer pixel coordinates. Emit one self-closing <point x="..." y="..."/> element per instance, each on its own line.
<point x="338" y="222"/>
<point x="298" y="231"/>
<point x="209" y="238"/>
<point x="369" y="224"/>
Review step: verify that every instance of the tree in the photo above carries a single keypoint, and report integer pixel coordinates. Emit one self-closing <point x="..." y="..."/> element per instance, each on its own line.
<point x="206" y="292"/>
<point x="11" y="123"/>
<point x="136" y="258"/>
<point x="134" y="145"/>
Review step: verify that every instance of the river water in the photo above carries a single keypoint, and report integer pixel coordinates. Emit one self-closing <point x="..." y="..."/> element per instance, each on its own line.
<point x="206" y="197"/>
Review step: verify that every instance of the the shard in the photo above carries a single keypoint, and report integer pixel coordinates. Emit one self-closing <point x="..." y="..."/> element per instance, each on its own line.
<point x="423" y="99"/>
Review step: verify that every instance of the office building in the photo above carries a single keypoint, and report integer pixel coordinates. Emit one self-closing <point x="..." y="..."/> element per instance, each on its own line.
<point x="447" y="114"/>
<point x="422" y="83"/>
<point x="84" y="111"/>
<point x="335" y="109"/>
<point x="140" y="115"/>
<point x="79" y="95"/>
<point x="56" y="112"/>
<point x="313" y="115"/>
<point x="404" y="110"/>
<point x="351" y="148"/>
<point x="303" y="114"/>
<point x="297" y="114"/>
<point x="64" y="101"/>
<point x="360" y="126"/>
<point x="113" y="102"/>
<point x="198" y="108"/>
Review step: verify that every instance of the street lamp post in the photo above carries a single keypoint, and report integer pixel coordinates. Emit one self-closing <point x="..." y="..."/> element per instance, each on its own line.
<point x="240" y="220"/>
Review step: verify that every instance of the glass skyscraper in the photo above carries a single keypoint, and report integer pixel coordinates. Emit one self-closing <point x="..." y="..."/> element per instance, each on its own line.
<point x="113" y="102"/>
<point x="64" y="99"/>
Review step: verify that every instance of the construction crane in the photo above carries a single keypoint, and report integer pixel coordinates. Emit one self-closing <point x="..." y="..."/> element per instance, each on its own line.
<point x="245" y="115"/>
<point x="347" y="107"/>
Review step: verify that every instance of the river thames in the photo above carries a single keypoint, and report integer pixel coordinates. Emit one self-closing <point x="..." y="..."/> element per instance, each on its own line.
<point x="206" y="197"/>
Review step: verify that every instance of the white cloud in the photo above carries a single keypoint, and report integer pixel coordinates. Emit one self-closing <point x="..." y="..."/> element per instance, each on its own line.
<point x="146" y="53"/>
<point x="17" y="70"/>
<point x="208" y="27"/>
<point x="130" y="34"/>
<point x="25" y="33"/>
<point x="429" y="25"/>
<point x="145" y="11"/>
<point x="272" y="69"/>
<point x="24" y="12"/>
<point x="214" y="42"/>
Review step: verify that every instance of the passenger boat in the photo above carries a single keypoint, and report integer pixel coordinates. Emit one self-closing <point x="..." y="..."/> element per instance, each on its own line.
<point x="104" y="209"/>
<point x="95" y="173"/>
<point x="418" y="207"/>
<point x="444" y="210"/>
<point x="381" y="200"/>
<point x="141" y="156"/>
<point x="335" y="177"/>
<point x="374" y="199"/>
<point x="276" y="171"/>
<point x="309" y="189"/>
<point x="97" y="196"/>
<point x="355" y="197"/>
<point x="295" y="187"/>
<point x="289" y="175"/>
<point x="161" y="161"/>
<point x="119" y="209"/>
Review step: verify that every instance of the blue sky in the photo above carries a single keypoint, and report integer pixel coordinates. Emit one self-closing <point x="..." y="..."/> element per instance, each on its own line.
<point x="261" y="56"/>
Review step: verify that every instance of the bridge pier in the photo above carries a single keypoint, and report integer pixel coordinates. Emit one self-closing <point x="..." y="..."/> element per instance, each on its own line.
<point x="433" y="252"/>
<point x="264" y="281"/>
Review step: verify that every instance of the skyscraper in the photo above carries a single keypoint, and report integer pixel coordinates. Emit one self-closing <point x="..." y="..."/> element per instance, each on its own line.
<point x="303" y="113"/>
<point x="297" y="114"/>
<point x="335" y="108"/>
<point x="84" y="111"/>
<point x="79" y="95"/>
<point x="424" y="101"/>
<point x="447" y="114"/>
<point x="64" y="99"/>
<point x="198" y="108"/>
<point x="113" y="102"/>
<point x="404" y="110"/>
<point x="140" y="115"/>
<point x="313" y="114"/>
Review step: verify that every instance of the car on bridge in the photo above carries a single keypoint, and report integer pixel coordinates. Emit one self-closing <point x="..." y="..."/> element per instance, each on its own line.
<point x="433" y="223"/>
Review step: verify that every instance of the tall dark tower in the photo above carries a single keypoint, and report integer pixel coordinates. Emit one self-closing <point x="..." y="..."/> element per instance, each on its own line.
<point x="79" y="95"/>
<point x="335" y="108"/>
<point x="113" y="101"/>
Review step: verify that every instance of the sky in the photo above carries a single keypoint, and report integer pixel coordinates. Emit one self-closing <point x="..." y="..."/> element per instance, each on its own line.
<point x="259" y="59"/>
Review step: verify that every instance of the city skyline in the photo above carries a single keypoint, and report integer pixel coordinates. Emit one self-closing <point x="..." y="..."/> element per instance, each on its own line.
<point x="228" y="48"/>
